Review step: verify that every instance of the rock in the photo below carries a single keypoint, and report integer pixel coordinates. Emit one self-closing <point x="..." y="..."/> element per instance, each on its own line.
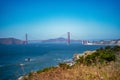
<point x="76" y="56"/>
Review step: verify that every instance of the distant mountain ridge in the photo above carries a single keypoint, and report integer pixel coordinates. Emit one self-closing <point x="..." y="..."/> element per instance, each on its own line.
<point x="56" y="39"/>
<point x="60" y="40"/>
<point x="11" y="41"/>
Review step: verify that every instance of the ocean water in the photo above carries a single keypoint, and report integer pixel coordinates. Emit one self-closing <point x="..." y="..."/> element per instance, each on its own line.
<point x="13" y="58"/>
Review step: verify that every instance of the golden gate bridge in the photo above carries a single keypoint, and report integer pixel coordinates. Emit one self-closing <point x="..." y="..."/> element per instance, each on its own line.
<point x="67" y="40"/>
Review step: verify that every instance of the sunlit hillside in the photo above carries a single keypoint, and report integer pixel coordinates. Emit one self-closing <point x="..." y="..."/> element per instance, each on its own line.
<point x="108" y="69"/>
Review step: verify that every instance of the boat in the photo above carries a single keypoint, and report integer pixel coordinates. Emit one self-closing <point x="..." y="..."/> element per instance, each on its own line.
<point x="28" y="59"/>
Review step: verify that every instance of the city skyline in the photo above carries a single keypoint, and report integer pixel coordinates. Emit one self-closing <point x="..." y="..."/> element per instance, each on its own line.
<point x="45" y="19"/>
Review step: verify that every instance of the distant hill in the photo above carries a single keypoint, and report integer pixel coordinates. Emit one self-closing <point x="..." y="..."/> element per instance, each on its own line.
<point x="56" y="40"/>
<point x="61" y="40"/>
<point x="10" y="41"/>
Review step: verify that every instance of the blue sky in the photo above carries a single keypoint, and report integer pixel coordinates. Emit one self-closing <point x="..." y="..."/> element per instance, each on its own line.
<point x="44" y="19"/>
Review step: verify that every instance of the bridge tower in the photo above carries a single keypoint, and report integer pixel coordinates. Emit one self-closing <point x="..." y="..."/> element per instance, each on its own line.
<point x="26" y="38"/>
<point x="68" y="41"/>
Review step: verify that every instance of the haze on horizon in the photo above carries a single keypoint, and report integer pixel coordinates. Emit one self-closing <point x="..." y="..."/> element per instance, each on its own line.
<point x="44" y="19"/>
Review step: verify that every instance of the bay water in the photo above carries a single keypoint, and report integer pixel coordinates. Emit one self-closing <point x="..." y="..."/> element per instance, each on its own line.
<point x="14" y="58"/>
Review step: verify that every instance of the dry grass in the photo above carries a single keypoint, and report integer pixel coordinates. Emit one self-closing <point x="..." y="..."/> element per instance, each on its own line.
<point x="80" y="72"/>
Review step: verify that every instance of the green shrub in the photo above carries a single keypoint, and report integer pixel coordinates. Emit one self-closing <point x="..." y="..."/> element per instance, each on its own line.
<point x="116" y="48"/>
<point x="107" y="48"/>
<point x="100" y="56"/>
<point x="46" y="69"/>
<point x="80" y="60"/>
<point x="107" y="56"/>
<point x="64" y="65"/>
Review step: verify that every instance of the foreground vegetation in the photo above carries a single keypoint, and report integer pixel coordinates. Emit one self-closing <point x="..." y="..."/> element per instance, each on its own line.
<point x="104" y="64"/>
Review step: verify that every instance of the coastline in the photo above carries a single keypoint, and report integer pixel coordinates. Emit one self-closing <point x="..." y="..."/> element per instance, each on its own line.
<point x="88" y="70"/>
<point x="68" y="62"/>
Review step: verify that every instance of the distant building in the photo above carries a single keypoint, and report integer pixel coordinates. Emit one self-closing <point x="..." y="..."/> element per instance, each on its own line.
<point x="118" y="42"/>
<point x="101" y="42"/>
<point x="113" y="42"/>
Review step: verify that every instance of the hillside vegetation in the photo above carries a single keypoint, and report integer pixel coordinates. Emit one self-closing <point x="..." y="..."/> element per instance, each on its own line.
<point x="103" y="64"/>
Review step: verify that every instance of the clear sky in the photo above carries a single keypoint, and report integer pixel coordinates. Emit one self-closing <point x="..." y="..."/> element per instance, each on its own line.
<point x="44" y="19"/>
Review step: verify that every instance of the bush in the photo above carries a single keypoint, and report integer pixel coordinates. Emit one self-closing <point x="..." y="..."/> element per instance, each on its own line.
<point x="100" y="56"/>
<point x="107" y="56"/>
<point x="116" y="48"/>
<point x="45" y="69"/>
<point x="64" y="65"/>
<point x="80" y="60"/>
<point x="107" y="48"/>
